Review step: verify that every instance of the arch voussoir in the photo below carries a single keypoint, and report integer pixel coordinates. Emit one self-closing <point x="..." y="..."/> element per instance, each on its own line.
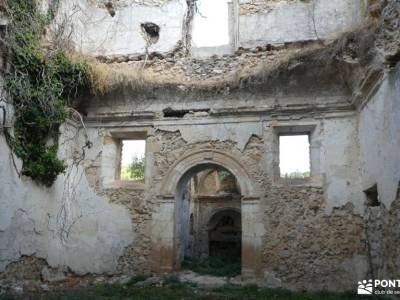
<point x="199" y="158"/>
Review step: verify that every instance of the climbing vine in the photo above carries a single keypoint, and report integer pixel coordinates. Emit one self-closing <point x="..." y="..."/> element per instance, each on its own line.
<point x="41" y="82"/>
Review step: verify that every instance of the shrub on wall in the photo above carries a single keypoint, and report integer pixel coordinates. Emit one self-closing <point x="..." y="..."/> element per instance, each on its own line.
<point x="40" y="81"/>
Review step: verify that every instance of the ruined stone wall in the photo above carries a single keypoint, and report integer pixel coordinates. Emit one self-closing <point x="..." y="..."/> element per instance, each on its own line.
<point x="313" y="233"/>
<point x="379" y="140"/>
<point x="114" y="27"/>
<point x="293" y="216"/>
<point x="391" y="237"/>
<point x="274" y="22"/>
<point x="379" y="125"/>
<point x="67" y="225"/>
<point x="304" y="248"/>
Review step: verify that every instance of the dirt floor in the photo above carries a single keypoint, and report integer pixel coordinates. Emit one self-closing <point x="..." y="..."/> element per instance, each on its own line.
<point x="172" y="288"/>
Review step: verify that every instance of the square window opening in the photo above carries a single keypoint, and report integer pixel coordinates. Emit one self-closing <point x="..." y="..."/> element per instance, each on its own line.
<point x="132" y="164"/>
<point x="294" y="156"/>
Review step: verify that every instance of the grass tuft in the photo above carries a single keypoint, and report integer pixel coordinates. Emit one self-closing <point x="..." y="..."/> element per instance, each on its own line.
<point x="216" y="266"/>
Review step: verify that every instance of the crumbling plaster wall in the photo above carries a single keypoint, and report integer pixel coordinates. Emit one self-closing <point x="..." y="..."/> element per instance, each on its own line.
<point x="68" y="225"/>
<point x="114" y="233"/>
<point x="104" y="28"/>
<point x="127" y="212"/>
<point x="379" y="127"/>
<point x="295" y="214"/>
<point x="94" y="31"/>
<point x="290" y="21"/>
<point x="342" y="178"/>
<point x="330" y="136"/>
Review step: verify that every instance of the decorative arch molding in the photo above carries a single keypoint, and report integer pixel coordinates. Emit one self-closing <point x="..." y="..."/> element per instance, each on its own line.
<point x="195" y="161"/>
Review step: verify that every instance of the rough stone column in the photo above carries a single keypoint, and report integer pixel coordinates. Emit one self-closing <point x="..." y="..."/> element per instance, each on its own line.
<point x="252" y="232"/>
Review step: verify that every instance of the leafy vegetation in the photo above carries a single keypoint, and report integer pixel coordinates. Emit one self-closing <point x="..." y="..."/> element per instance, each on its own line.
<point x="41" y="83"/>
<point x="135" y="170"/>
<point x="178" y="291"/>
<point x="222" y="174"/>
<point x="228" y="266"/>
<point x="297" y="174"/>
<point x="137" y="278"/>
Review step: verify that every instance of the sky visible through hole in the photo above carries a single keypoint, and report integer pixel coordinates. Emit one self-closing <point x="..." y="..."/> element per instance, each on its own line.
<point x="131" y="149"/>
<point x="294" y="154"/>
<point x="210" y="25"/>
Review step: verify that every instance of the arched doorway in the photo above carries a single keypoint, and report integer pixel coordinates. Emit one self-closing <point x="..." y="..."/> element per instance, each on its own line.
<point x="167" y="223"/>
<point x="210" y="188"/>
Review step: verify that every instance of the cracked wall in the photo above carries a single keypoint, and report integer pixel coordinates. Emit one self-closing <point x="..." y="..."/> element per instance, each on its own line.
<point x="274" y="22"/>
<point x="120" y="218"/>
<point x="312" y="233"/>
<point x="94" y="31"/>
<point x="379" y="126"/>
<point x="379" y="139"/>
<point x="62" y="224"/>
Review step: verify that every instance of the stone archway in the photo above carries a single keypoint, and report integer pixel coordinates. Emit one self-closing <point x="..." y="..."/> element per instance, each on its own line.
<point x="164" y="237"/>
<point x="196" y="161"/>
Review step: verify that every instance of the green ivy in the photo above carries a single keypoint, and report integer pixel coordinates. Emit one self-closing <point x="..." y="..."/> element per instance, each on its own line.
<point x="41" y="83"/>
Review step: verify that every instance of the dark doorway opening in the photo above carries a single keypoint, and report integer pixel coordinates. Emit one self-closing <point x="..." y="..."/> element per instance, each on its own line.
<point x="224" y="234"/>
<point x="209" y="223"/>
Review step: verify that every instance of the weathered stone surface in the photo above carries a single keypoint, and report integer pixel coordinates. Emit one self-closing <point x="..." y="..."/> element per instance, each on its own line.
<point x="93" y="30"/>
<point x="277" y="22"/>
<point x="114" y="26"/>
<point x="304" y="246"/>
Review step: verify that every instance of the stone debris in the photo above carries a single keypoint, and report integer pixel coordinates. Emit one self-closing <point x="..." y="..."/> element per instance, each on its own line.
<point x="44" y="287"/>
<point x="205" y="281"/>
<point x="180" y="68"/>
<point x="158" y="281"/>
